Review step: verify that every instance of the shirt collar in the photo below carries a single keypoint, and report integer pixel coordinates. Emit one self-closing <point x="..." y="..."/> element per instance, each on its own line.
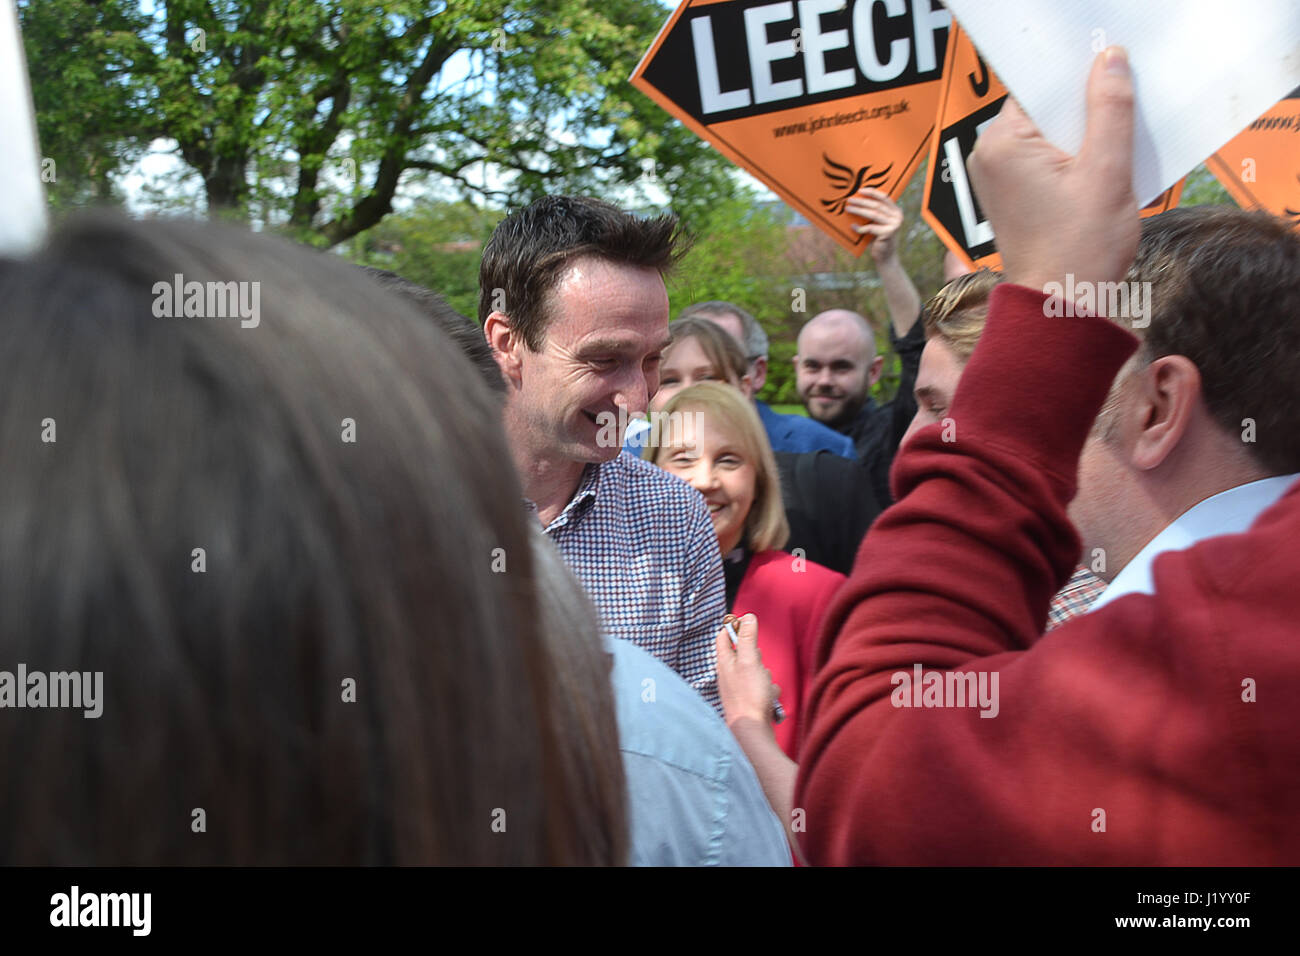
<point x="594" y="475"/>
<point x="1229" y="512"/>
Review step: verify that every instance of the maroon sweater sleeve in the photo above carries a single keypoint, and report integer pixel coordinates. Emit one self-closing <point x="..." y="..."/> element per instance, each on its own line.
<point x="957" y="576"/>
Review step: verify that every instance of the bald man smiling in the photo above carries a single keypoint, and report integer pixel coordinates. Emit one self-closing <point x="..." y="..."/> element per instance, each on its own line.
<point x="836" y="366"/>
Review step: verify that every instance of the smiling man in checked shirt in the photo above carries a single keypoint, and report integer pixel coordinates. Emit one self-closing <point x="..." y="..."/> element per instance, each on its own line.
<point x="573" y="304"/>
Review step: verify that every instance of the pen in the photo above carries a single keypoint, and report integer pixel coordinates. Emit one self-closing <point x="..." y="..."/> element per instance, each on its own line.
<point x="728" y="622"/>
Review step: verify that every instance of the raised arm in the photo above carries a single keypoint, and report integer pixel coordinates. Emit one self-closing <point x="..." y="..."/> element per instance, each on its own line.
<point x="966" y="563"/>
<point x="884" y="220"/>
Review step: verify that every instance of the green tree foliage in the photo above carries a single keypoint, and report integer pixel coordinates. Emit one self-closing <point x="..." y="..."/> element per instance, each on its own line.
<point x="1202" y="189"/>
<point x="735" y="253"/>
<point x="81" y="58"/>
<point x="435" y="244"/>
<point x="314" y="113"/>
<point x="735" y="256"/>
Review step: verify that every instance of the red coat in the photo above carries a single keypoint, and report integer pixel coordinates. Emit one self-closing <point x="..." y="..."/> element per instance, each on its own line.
<point x="789" y="596"/>
<point x="1136" y="718"/>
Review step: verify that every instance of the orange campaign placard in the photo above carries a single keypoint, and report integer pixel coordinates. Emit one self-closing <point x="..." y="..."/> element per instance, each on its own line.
<point x="1260" y="166"/>
<point x="816" y="99"/>
<point x="972" y="96"/>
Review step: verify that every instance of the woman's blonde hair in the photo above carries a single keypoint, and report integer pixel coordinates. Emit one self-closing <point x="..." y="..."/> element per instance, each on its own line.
<point x="766" y="527"/>
<point x="957" y="312"/>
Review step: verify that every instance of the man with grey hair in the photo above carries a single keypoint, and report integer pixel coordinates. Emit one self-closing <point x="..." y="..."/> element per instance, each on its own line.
<point x="786" y="433"/>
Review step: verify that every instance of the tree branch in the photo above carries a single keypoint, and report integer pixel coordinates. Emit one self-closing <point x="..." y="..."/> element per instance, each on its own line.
<point x="379" y="201"/>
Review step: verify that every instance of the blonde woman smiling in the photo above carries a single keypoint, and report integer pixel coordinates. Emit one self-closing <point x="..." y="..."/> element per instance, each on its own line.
<point x="721" y="449"/>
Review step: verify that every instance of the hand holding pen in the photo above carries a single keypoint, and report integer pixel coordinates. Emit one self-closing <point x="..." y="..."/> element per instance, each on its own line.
<point x="744" y="684"/>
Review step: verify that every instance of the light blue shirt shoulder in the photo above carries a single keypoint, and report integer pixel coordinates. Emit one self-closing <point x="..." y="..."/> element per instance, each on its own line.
<point x="693" y="797"/>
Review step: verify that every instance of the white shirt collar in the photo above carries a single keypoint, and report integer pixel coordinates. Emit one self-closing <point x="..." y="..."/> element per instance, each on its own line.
<point x="1229" y="512"/>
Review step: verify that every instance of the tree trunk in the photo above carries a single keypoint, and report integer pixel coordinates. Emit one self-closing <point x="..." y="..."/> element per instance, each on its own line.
<point x="227" y="188"/>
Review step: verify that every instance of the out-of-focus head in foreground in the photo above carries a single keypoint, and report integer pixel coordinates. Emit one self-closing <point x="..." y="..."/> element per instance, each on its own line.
<point x="286" y="535"/>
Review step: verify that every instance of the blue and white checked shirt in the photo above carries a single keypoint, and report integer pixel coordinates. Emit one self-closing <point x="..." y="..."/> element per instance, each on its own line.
<point x="641" y="542"/>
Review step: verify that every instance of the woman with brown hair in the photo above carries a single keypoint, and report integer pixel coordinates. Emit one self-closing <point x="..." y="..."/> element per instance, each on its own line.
<point x="699" y="350"/>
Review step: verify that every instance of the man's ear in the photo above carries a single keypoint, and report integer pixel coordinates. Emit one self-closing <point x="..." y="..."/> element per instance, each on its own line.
<point x="877" y="366"/>
<point x="758" y="373"/>
<point x="1164" y="402"/>
<point x="506" y="344"/>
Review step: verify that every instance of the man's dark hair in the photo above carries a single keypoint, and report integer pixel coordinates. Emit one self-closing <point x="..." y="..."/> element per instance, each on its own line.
<point x="530" y="249"/>
<point x="467" y="336"/>
<point x="1225" y="293"/>
<point x="344" y="680"/>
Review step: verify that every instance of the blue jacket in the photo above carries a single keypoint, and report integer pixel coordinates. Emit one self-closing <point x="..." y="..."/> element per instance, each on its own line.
<point x="797" y="434"/>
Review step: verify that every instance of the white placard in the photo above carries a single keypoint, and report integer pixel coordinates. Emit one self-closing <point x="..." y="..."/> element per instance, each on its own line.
<point x="1203" y="69"/>
<point x="22" y="199"/>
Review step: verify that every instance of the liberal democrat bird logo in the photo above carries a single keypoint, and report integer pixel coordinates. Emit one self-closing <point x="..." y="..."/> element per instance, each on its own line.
<point x="1293" y="214"/>
<point x="846" y="182"/>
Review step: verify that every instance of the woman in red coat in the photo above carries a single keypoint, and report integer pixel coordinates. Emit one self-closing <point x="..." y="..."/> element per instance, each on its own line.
<point x="711" y="436"/>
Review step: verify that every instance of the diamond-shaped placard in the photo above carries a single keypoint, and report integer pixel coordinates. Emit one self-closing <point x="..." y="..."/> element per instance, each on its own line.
<point x="1260" y="166"/>
<point x="816" y="99"/>
<point x="972" y="96"/>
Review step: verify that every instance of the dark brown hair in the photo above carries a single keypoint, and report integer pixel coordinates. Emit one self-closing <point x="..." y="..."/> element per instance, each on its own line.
<point x="570" y="625"/>
<point x="325" y="562"/>
<point x="530" y="249"/>
<point x="1225" y="293"/>
<point x="722" y="351"/>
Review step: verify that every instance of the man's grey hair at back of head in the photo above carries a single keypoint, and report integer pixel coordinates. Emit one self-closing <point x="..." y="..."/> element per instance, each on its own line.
<point x="755" y="344"/>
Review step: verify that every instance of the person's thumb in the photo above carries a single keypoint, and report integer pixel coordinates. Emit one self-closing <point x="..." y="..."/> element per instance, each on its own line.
<point x="1107" y="150"/>
<point x="747" y="630"/>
